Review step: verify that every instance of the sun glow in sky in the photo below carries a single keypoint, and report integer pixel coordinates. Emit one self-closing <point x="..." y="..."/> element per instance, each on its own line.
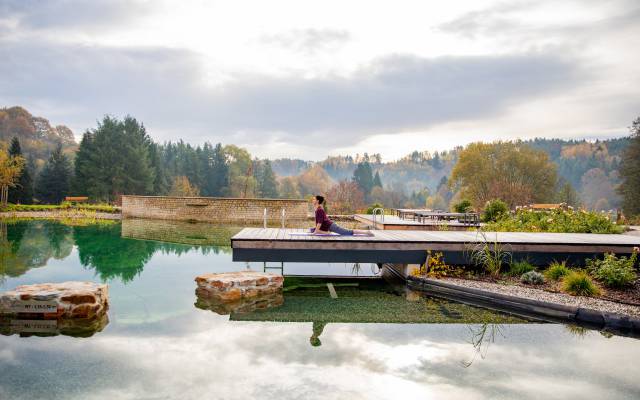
<point x="309" y="79"/>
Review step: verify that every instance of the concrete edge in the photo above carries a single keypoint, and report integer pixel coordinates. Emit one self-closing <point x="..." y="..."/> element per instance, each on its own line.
<point x="620" y="324"/>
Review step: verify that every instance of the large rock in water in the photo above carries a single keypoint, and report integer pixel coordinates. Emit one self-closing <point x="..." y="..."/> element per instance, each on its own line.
<point x="233" y="286"/>
<point x="67" y="300"/>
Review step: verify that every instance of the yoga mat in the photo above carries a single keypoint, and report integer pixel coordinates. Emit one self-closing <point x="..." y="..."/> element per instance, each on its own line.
<point x="321" y="234"/>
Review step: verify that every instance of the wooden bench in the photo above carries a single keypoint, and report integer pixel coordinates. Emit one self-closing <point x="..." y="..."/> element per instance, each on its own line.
<point x="76" y="199"/>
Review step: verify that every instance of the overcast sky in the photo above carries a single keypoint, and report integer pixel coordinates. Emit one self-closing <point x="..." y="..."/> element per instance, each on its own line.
<point x="306" y="79"/>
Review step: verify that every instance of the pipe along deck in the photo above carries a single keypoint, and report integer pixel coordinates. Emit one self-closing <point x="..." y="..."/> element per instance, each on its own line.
<point x="410" y="247"/>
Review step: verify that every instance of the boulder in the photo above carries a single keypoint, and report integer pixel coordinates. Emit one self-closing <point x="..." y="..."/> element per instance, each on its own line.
<point x="67" y="300"/>
<point x="232" y="286"/>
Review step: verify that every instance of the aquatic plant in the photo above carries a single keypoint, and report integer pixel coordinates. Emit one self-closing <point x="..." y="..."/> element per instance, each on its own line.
<point x="556" y="270"/>
<point x="481" y="338"/>
<point x="517" y="268"/>
<point x="614" y="271"/>
<point x="578" y="283"/>
<point x="532" y="278"/>
<point x="490" y="255"/>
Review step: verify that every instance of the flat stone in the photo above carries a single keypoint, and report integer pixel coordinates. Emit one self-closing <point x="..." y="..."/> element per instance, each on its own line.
<point x="74" y="300"/>
<point x="233" y="286"/>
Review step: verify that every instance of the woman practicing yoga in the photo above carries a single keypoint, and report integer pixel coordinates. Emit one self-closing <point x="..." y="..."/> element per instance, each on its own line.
<point x="324" y="225"/>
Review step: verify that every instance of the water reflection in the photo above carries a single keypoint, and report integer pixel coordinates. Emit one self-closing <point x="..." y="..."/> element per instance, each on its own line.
<point x="157" y="345"/>
<point x="75" y="327"/>
<point x="241" y="306"/>
<point x="101" y="247"/>
<point x="24" y="246"/>
<point x="197" y="234"/>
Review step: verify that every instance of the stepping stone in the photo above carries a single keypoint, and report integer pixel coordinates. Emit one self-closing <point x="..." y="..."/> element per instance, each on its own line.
<point x="67" y="300"/>
<point x="233" y="286"/>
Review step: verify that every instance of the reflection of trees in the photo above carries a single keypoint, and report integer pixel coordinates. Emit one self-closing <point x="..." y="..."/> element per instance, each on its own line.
<point x="482" y="336"/>
<point x="101" y="247"/>
<point x="180" y="232"/>
<point x="25" y="245"/>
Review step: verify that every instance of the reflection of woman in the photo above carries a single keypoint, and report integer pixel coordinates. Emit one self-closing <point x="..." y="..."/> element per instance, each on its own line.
<point x="318" y="327"/>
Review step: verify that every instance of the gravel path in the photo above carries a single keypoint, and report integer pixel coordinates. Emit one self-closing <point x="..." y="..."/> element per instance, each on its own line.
<point x="542" y="295"/>
<point x="60" y="214"/>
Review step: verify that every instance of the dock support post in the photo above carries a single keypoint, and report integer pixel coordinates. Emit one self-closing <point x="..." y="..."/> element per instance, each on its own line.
<point x="264" y="217"/>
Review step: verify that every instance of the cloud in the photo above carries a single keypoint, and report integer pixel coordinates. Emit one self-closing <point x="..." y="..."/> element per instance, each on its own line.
<point x="309" y="41"/>
<point x="164" y="88"/>
<point x="72" y="14"/>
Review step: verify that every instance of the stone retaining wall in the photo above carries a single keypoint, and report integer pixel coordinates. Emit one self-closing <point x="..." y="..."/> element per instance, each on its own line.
<point x="213" y="209"/>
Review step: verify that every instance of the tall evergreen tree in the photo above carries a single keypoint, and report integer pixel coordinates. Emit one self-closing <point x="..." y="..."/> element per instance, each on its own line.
<point x="630" y="173"/>
<point x="363" y="176"/>
<point x="376" y="180"/>
<point x="22" y="193"/>
<point x="267" y="185"/>
<point x="114" y="159"/>
<point x="160" y="181"/>
<point x="215" y="171"/>
<point x="53" y="183"/>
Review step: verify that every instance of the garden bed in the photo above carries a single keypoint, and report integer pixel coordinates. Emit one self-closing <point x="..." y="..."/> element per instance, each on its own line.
<point x="629" y="295"/>
<point x="60" y="214"/>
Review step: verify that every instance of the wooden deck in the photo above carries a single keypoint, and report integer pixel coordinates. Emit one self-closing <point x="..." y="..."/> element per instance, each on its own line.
<point x="409" y="247"/>
<point x="393" y="222"/>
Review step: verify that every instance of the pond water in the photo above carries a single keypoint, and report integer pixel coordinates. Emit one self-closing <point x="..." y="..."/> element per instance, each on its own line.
<point x="161" y="342"/>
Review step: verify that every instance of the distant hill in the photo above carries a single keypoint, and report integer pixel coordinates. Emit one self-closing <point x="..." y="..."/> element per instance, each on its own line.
<point x="590" y="166"/>
<point x="37" y="137"/>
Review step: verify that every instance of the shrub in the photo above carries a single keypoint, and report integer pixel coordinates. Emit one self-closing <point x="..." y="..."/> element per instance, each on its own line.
<point x="567" y="221"/>
<point x="494" y="210"/>
<point x="462" y="207"/>
<point x="434" y="266"/>
<point x="578" y="283"/>
<point x="614" y="271"/>
<point x="518" y="268"/>
<point x="532" y="278"/>
<point x="556" y="270"/>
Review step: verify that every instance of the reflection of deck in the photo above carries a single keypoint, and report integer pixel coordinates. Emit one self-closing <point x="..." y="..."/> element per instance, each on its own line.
<point x="363" y="305"/>
<point x="257" y="244"/>
<point x="392" y="222"/>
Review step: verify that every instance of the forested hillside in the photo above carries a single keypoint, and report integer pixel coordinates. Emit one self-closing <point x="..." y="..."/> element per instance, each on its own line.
<point x="120" y="157"/>
<point x="589" y="167"/>
<point x="37" y="137"/>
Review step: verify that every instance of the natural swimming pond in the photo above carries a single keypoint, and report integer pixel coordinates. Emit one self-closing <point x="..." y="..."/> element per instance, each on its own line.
<point x="160" y="342"/>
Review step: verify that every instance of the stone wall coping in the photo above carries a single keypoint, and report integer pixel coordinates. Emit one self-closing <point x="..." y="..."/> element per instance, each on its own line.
<point x="212" y="198"/>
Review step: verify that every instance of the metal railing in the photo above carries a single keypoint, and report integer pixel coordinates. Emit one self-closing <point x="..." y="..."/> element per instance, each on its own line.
<point x="375" y="213"/>
<point x="283" y="216"/>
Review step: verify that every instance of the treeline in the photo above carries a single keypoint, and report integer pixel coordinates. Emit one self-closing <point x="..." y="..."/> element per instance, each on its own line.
<point x="118" y="157"/>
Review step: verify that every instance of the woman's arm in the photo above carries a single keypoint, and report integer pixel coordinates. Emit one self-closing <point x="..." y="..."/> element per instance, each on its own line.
<point x="317" y="230"/>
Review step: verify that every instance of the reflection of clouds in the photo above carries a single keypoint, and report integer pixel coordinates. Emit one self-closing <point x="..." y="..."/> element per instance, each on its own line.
<point x="207" y="355"/>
